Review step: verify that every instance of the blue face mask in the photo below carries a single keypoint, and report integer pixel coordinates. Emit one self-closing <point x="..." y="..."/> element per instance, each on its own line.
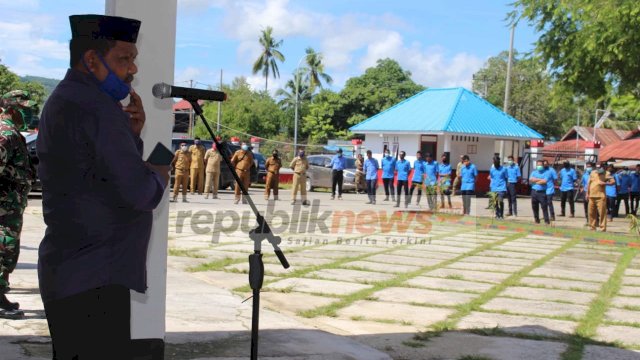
<point x="112" y="85"/>
<point x="539" y="167"/>
<point x="245" y="147"/>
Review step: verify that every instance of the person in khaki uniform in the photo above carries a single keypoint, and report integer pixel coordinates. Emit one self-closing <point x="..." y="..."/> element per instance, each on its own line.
<point x="299" y="165"/>
<point x="360" y="184"/>
<point x="272" y="165"/>
<point x="456" y="180"/>
<point x="197" y="151"/>
<point x="242" y="160"/>
<point x="181" y="163"/>
<point x="597" y="200"/>
<point x="212" y="165"/>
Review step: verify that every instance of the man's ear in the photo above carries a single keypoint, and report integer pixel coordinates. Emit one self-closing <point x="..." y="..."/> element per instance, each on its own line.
<point x="91" y="60"/>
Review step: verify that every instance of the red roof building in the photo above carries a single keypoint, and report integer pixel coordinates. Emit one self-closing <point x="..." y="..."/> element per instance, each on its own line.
<point x="628" y="149"/>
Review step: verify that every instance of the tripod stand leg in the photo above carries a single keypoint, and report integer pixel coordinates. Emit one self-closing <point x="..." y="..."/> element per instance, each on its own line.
<point x="256" y="277"/>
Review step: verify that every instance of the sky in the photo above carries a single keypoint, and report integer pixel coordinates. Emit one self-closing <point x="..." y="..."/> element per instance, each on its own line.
<point x="441" y="42"/>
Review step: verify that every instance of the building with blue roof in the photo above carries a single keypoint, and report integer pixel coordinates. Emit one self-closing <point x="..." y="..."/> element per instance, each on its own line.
<point x="454" y="121"/>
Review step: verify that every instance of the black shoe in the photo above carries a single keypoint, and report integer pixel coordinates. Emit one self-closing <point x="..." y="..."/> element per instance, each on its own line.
<point x="368" y="202"/>
<point x="396" y="205"/>
<point x="537" y="221"/>
<point x="562" y="215"/>
<point x="11" y="314"/>
<point x="305" y="203"/>
<point x="8" y="305"/>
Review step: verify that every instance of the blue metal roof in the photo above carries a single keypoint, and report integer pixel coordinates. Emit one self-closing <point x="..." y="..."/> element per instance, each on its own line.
<point x="455" y="110"/>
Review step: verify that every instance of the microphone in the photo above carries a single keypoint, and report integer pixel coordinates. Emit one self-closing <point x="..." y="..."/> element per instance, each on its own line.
<point x="162" y="90"/>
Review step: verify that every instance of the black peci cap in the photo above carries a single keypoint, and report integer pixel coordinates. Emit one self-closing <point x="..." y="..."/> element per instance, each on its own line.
<point x="93" y="27"/>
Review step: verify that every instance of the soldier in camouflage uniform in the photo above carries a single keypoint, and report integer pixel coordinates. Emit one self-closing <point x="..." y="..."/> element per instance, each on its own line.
<point x="16" y="174"/>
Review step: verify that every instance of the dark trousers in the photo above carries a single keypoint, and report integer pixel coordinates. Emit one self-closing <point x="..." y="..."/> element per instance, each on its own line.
<point x="567" y="196"/>
<point x="413" y="186"/>
<point x="92" y="325"/>
<point x="622" y="198"/>
<point x="446" y="193"/>
<point x="371" y="189"/>
<point x="513" y="198"/>
<point x="611" y="206"/>
<point x="432" y="197"/>
<point x="552" y="211"/>
<point x="586" y="207"/>
<point x="402" y="184"/>
<point x="635" y="201"/>
<point x="336" y="180"/>
<point x="466" y="201"/>
<point x="500" y="204"/>
<point x="539" y="200"/>
<point x="388" y="187"/>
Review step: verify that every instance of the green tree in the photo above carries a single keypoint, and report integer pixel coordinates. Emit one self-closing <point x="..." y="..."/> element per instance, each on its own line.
<point x="245" y="111"/>
<point x="287" y="95"/>
<point x="315" y="70"/>
<point x="379" y="88"/>
<point x="268" y="57"/>
<point x="321" y="122"/>
<point x="10" y="81"/>
<point x="588" y="44"/>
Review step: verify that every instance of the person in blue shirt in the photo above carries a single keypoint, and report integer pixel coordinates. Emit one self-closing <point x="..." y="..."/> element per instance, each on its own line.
<point x="551" y="189"/>
<point x="371" y="176"/>
<point x="431" y="181"/>
<point x="635" y="190"/>
<point x="568" y="177"/>
<point x="338" y="163"/>
<point x="468" y="174"/>
<point x="403" y="167"/>
<point x="388" y="164"/>
<point x="584" y="181"/>
<point x="418" y="177"/>
<point x="514" y="174"/>
<point x="611" y="191"/>
<point x="538" y="180"/>
<point x="623" y="190"/>
<point x="499" y="178"/>
<point x="444" y="180"/>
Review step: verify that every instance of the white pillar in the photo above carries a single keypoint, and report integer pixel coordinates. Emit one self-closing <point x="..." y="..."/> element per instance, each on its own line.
<point x="156" y="60"/>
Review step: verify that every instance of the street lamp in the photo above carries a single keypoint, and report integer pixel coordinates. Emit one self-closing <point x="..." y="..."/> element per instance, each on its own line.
<point x="296" y="91"/>
<point x="606" y="113"/>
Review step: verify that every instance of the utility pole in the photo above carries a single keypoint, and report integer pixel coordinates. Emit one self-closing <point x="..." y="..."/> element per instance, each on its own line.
<point x="507" y="89"/>
<point x="190" y="114"/>
<point x="219" y="106"/>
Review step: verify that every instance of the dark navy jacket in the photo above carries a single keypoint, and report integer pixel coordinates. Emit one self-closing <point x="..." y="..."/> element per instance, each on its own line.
<point x="98" y="195"/>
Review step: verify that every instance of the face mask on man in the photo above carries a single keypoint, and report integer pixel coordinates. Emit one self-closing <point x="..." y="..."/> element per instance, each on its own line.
<point x="183" y="147"/>
<point x="301" y="154"/>
<point x="197" y="142"/>
<point x="540" y="168"/>
<point x="600" y="171"/>
<point x="588" y="169"/>
<point x="245" y="147"/>
<point x="510" y="162"/>
<point x="387" y="154"/>
<point x="111" y="85"/>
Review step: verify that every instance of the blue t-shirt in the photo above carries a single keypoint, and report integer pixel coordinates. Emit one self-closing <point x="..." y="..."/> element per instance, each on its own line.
<point x="635" y="182"/>
<point x="610" y="190"/>
<point x="468" y="177"/>
<point x="540" y="175"/>
<point x="431" y="169"/>
<point x="585" y="179"/>
<point x="444" y="169"/>
<point x="513" y="172"/>
<point x="551" y="184"/>
<point x="338" y="162"/>
<point x="418" y="171"/>
<point x="499" y="178"/>
<point x="371" y="169"/>
<point x="624" y="182"/>
<point x="403" y="167"/>
<point x="567" y="178"/>
<point x="388" y="167"/>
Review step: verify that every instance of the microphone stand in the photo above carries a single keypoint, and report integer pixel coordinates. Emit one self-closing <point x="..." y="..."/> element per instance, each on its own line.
<point x="260" y="233"/>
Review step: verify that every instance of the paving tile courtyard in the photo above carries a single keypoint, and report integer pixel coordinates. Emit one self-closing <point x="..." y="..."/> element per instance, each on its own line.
<point x="456" y="291"/>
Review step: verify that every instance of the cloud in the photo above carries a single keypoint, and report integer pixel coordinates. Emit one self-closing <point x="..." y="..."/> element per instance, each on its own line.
<point x="19" y="5"/>
<point x="28" y="52"/>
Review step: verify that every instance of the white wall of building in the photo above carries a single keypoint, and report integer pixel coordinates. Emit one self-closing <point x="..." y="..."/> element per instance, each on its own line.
<point x="156" y="58"/>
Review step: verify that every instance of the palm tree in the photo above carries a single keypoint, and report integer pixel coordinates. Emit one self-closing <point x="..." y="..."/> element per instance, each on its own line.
<point x="288" y="93"/>
<point x="315" y="70"/>
<point x="270" y="53"/>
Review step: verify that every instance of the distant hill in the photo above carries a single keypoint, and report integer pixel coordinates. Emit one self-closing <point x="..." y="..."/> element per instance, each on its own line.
<point x="49" y="84"/>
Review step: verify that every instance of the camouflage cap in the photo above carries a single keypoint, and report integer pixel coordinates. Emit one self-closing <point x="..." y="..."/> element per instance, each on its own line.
<point x="17" y="98"/>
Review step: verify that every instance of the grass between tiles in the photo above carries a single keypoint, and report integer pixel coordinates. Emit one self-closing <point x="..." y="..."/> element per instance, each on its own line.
<point x="597" y="309"/>
<point x="476" y="304"/>
<point x="331" y="309"/>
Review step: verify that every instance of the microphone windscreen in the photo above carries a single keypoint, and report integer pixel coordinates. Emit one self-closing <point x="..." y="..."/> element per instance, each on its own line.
<point x="161" y="90"/>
